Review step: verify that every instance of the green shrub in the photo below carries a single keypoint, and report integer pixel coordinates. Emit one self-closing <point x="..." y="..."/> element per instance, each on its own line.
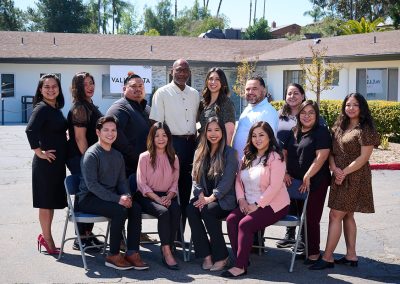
<point x="386" y="115"/>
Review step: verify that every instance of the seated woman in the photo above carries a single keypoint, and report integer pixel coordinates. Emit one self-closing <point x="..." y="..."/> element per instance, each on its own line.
<point x="260" y="191"/>
<point x="214" y="169"/>
<point x="157" y="180"/>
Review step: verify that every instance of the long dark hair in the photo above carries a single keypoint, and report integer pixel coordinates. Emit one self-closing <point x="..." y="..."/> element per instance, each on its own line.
<point x="286" y="110"/>
<point x="78" y="86"/>
<point x="202" y="156"/>
<point x="250" y="151"/>
<point x="39" y="97"/>
<point x="206" y="93"/>
<point x="365" y="117"/>
<point x="315" y="107"/>
<point x="169" y="149"/>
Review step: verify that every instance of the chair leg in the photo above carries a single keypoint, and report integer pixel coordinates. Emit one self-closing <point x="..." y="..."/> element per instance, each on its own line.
<point x="106" y="238"/>
<point x="80" y="246"/>
<point x="63" y="238"/>
<point x="186" y="257"/>
<point x="189" y="249"/>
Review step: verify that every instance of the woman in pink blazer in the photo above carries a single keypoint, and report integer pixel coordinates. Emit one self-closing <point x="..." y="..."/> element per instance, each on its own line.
<point x="260" y="191"/>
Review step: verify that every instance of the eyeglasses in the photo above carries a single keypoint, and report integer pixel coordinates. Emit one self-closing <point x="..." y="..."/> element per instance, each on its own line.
<point x="310" y="113"/>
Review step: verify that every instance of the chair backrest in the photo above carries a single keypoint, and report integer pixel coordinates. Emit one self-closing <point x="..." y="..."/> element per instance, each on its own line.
<point x="72" y="184"/>
<point x="294" y="192"/>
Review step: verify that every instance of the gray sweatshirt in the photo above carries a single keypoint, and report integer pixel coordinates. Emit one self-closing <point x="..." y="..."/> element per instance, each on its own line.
<point x="103" y="174"/>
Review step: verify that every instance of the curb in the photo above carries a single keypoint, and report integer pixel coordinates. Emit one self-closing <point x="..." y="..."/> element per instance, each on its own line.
<point x="385" y="166"/>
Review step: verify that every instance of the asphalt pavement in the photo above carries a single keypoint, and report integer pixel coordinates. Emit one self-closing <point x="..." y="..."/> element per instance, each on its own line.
<point x="378" y="244"/>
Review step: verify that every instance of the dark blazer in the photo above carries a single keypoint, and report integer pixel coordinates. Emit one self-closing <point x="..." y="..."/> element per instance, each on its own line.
<point x="133" y="128"/>
<point x="224" y="189"/>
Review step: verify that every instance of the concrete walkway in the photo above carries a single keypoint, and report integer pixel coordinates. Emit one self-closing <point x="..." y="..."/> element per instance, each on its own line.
<point x="378" y="239"/>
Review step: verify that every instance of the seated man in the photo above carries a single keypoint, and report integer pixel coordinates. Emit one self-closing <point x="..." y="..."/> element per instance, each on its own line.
<point x="104" y="191"/>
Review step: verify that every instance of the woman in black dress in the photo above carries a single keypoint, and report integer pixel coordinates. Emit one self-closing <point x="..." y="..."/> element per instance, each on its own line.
<point x="46" y="132"/>
<point x="82" y="119"/>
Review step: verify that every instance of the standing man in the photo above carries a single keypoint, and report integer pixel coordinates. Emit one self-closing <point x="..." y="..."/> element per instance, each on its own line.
<point x="133" y="122"/>
<point x="133" y="127"/>
<point x="258" y="109"/>
<point x="104" y="191"/>
<point x="176" y="104"/>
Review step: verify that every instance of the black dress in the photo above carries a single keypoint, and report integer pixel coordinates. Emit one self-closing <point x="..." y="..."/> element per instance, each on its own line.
<point x="46" y="129"/>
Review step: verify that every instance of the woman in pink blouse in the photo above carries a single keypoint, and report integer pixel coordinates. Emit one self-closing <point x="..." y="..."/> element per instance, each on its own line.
<point x="157" y="180"/>
<point x="260" y="192"/>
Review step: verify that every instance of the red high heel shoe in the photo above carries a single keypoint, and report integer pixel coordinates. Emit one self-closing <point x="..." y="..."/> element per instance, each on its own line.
<point x="42" y="242"/>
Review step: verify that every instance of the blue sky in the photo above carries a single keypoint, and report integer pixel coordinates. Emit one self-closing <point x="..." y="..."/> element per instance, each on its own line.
<point x="283" y="12"/>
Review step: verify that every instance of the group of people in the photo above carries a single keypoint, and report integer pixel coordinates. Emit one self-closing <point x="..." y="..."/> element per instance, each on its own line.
<point x="138" y="159"/>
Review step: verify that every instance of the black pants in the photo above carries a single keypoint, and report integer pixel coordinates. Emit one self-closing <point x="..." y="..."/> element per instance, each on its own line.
<point x="185" y="151"/>
<point x="168" y="218"/>
<point x="118" y="214"/>
<point x="208" y="220"/>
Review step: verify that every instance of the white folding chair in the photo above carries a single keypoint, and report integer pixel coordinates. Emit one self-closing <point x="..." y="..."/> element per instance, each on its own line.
<point x="72" y="187"/>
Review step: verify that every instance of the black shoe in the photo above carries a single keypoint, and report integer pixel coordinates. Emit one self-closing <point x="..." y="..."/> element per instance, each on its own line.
<point x="289" y="239"/>
<point x="86" y="245"/>
<point x="227" y="274"/>
<point x="171" y="267"/>
<point x="311" y="261"/>
<point x="300" y="247"/>
<point x="344" y="260"/>
<point x="95" y="240"/>
<point x="322" y="264"/>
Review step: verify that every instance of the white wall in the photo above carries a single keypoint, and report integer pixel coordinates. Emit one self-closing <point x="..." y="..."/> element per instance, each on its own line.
<point x="347" y="79"/>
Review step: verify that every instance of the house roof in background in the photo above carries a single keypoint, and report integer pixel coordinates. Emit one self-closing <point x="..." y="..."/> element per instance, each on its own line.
<point x="39" y="47"/>
<point x="379" y="45"/>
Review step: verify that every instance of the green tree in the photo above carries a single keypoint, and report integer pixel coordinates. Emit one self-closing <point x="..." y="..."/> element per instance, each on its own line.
<point x="161" y="19"/>
<point x="260" y="30"/>
<point x="316" y="13"/>
<point x="327" y="27"/>
<point x="319" y="74"/>
<point x="129" y="23"/>
<point x="118" y="8"/>
<point x="11" y="18"/>
<point x="359" y="27"/>
<point x="93" y="9"/>
<point x="152" y="32"/>
<point x="61" y="16"/>
<point x="394" y="13"/>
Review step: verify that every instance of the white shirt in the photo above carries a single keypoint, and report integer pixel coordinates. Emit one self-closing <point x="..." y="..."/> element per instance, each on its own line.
<point x="262" y="111"/>
<point x="176" y="108"/>
<point x="251" y="180"/>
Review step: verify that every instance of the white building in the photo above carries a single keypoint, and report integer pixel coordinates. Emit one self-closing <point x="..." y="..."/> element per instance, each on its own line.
<point x="24" y="56"/>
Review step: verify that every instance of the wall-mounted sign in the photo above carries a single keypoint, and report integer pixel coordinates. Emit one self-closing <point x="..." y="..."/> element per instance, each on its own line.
<point x="118" y="73"/>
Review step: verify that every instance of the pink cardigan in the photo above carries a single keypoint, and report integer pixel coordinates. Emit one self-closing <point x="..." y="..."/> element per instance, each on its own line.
<point x="273" y="188"/>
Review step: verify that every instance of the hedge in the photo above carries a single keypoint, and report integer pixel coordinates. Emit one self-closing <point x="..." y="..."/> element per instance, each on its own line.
<point x="386" y="115"/>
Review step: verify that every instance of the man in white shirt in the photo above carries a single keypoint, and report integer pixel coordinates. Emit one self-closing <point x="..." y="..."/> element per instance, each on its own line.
<point x="258" y="109"/>
<point x="176" y="104"/>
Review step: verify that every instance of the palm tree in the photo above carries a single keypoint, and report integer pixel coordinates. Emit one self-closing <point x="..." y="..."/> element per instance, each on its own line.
<point x="316" y="13"/>
<point x="118" y="7"/>
<point x="363" y="26"/>
<point x="219" y="7"/>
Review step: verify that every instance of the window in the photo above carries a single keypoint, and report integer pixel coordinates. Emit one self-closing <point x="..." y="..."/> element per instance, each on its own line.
<point x="335" y="81"/>
<point x="7" y="85"/>
<point x="292" y="76"/>
<point x="378" y="83"/>
<point x="105" y="85"/>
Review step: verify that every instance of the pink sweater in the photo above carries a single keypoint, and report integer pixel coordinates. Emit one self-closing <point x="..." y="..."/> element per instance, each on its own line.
<point x="160" y="179"/>
<point x="272" y="187"/>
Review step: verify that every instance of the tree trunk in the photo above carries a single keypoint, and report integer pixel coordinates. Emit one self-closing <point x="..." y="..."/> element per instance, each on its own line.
<point x="176" y="9"/>
<point x="255" y="11"/>
<point x="219" y="7"/>
<point x="99" y="15"/>
<point x="250" y="13"/>
<point x="264" y="11"/>
<point x="318" y="83"/>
